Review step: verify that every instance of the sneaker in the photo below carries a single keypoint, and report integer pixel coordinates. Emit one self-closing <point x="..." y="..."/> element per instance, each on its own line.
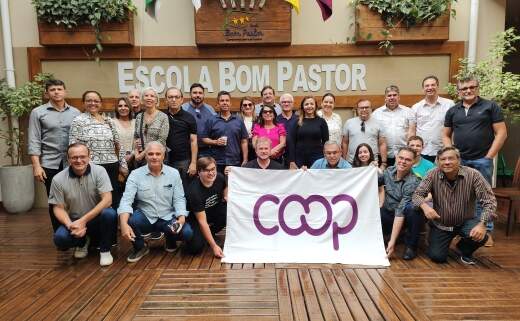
<point x="409" y="254"/>
<point x="154" y="236"/>
<point x="135" y="256"/>
<point x="105" y="258"/>
<point x="82" y="252"/>
<point x="170" y="248"/>
<point x="469" y="260"/>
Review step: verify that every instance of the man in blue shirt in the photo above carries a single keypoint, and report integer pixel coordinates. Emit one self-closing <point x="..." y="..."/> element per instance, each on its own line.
<point x="332" y="159"/>
<point x="160" y="205"/>
<point x="202" y="112"/>
<point x="227" y="135"/>
<point x="421" y="165"/>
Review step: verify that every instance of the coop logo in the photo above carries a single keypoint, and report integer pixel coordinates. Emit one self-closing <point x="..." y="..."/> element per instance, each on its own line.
<point x="304" y="226"/>
<point x="239" y="21"/>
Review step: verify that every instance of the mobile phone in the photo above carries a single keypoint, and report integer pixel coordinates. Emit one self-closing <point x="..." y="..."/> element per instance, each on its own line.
<point x="176" y="227"/>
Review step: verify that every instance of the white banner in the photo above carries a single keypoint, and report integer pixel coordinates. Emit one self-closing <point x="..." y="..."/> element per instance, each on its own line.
<point x="340" y="221"/>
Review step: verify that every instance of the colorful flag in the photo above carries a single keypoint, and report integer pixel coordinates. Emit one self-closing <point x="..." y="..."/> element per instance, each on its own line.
<point x="151" y="7"/>
<point x="196" y="4"/>
<point x="326" y="8"/>
<point x="295" y="4"/>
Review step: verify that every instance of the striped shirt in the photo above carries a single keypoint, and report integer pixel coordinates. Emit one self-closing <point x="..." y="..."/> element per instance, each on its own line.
<point x="455" y="201"/>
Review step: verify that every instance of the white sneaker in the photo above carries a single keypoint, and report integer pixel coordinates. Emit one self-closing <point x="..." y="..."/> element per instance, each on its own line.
<point x="105" y="258"/>
<point x="82" y="252"/>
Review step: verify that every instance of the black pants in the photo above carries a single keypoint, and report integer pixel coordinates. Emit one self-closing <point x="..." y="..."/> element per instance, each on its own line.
<point x="216" y="223"/>
<point x="50" y="173"/>
<point x="113" y="172"/>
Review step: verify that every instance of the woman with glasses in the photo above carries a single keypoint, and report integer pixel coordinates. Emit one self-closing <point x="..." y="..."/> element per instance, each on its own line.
<point x="268" y="127"/>
<point x="333" y="120"/>
<point x="308" y="136"/>
<point x="99" y="134"/>
<point x="248" y="116"/>
<point x="150" y="125"/>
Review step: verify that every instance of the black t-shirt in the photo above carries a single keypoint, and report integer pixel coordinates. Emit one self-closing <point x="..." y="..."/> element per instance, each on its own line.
<point x="272" y="165"/>
<point x="182" y="125"/>
<point x="208" y="199"/>
<point x="309" y="137"/>
<point x="473" y="133"/>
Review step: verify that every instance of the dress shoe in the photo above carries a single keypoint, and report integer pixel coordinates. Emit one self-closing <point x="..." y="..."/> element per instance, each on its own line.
<point x="409" y="254"/>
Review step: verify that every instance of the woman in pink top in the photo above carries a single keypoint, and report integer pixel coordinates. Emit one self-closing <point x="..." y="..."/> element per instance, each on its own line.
<point x="267" y="127"/>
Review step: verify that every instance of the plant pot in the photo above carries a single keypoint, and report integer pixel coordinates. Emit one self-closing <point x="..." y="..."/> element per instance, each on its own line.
<point x="17" y="188"/>
<point x="112" y="34"/>
<point x="369" y="25"/>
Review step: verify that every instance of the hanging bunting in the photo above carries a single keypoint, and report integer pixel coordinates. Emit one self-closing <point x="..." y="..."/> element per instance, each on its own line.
<point x="196" y="4"/>
<point x="151" y="7"/>
<point x="295" y="4"/>
<point x="326" y="8"/>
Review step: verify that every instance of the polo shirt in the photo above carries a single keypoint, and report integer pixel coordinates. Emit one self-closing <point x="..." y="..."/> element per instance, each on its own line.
<point x="371" y="135"/>
<point x="473" y="133"/>
<point x="323" y="164"/>
<point x="182" y="125"/>
<point x="79" y="194"/>
<point x="235" y="130"/>
<point x="272" y="165"/>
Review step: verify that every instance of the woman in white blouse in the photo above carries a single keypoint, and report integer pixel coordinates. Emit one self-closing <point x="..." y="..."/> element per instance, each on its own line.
<point x="125" y="126"/>
<point x="99" y="134"/>
<point x="333" y="120"/>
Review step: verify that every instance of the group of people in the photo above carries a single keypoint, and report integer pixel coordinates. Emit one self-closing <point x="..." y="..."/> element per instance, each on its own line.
<point x="163" y="174"/>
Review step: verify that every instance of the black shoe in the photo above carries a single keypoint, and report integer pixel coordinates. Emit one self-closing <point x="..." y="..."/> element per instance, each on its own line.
<point x="135" y="256"/>
<point x="154" y="236"/>
<point x="409" y="254"/>
<point x="469" y="260"/>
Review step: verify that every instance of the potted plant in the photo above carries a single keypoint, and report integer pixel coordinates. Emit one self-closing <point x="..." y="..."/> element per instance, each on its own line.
<point x="494" y="83"/>
<point x="85" y="22"/>
<point x="387" y="21"/>
<point x="17" y="182"/>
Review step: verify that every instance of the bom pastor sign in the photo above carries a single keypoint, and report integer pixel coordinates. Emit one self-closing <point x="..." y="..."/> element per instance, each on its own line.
<point x="232" y="22"/>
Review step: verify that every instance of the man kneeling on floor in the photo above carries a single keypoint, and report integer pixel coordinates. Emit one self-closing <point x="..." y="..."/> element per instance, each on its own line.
<point x="207" y="201"/>
<point x="397" y="210"/>
<point x="160" y="205"/>
<point x="455" y="189"/>
<point x="81" y="195"/>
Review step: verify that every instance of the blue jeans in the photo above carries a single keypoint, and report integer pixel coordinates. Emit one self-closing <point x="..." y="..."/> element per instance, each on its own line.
<point x="141" y="225"/>
<point x="103" y="227"/>
<point x="413" y="223"/>
<point x="440" y="241"/>
<point x="485" y="167"/>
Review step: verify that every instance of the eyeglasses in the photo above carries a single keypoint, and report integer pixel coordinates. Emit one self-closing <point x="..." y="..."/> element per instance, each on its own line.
<point x="363" y="108"/>
<point x="209" y="170"/>
<point x="285" y="102"/>
<point x="363" y="126"/>
<point x="247" y="104"/>
<point x="122" y="105"/>
<point x="469" y="87"/>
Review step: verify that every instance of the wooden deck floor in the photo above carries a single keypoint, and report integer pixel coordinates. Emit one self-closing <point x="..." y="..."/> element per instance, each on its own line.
<point x="39" y="283"/>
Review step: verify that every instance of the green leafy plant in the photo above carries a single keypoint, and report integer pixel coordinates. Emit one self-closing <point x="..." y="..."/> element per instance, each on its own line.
<point x="16" y="103"/>
<point x="72" y="13"/>
<point x="407" y="12"/>
<point x="495" y="84"/>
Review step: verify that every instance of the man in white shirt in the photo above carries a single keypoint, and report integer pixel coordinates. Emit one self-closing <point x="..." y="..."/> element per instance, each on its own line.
<point x="427" y="118"/>
<point x="394" y="119"/>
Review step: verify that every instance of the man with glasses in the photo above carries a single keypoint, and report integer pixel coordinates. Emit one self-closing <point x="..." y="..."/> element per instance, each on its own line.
<point x="207" y="202"/>
<point x="288" y="119"/>
<point x="202" y="112"/>
<point x="227" y="135"/>
<point x="48" y="138"/>
<point x="427" y="118"/>
<point x="364" y="129"/>
<point x="394" y="119"/>
<point x="478" y="130"/>
<point x="182" y="137"/>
